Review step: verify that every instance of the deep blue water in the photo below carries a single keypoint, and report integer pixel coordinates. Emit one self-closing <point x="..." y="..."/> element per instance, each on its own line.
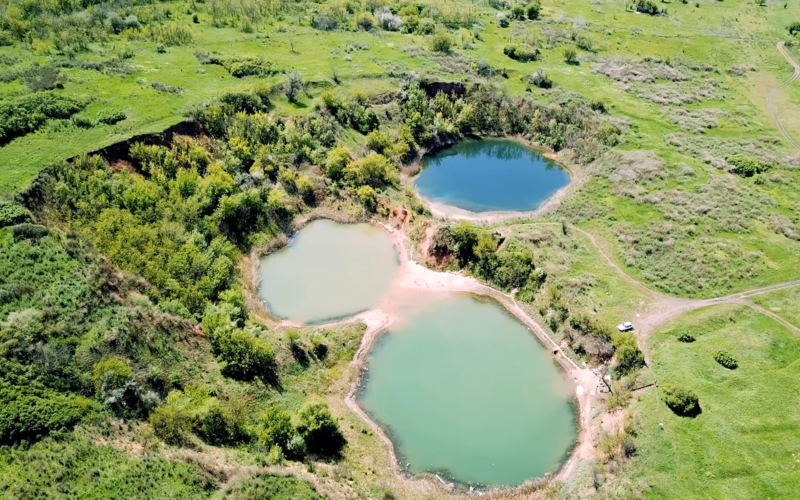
<point x="489" y="175"/>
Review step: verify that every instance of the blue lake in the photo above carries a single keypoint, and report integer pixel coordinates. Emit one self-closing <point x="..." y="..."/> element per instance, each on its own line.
<point x="490" y="175"/>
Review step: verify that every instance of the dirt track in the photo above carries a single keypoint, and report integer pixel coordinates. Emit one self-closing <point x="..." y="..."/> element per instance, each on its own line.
<point x="771" y="93"/>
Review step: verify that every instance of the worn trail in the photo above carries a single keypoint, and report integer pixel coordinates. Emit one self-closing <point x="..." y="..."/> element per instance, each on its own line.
<point x="773" y="91"/>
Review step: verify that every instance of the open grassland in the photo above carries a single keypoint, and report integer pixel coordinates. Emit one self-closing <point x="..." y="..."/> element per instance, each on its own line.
<point x="784" y="303"/>
<point x="743" y="444"/>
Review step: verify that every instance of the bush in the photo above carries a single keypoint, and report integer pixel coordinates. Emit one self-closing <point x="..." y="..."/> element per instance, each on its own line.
<point x="368" y="197"/>
<point x="27" y="231"/>
<point x="502" y="20"/>
<point x="681" y="401"/>
<point x="647" y="7"/>
<point x="518" y="12"/>
<point x="337" y="161"/>
<point x="293" y="85"/>
<point x="276" y="429"/>
<point x="794" y="28"/>
<point x="320" y="431"/>
<point x="686" y="338"/>
<point x="442" y="42"/>
<point x="726" y="359"/>
<point x="172" y="425"/>
<point x="111" y="374"/>
<point x="570" y="56"/>
<point x="521" y="53"/>
<point x="746" y="166"/>
<point x="366" y="21"/>
<point x="378" y="141"/>
<point x="31" y="413"/>
<point x="425" y="27"/>
<point x="243" y="356"/>
<point x="628" y="355"/>
<point x="533" y="11"/>
<point x="387" y="20"/>
<point x="540" y="79"/>
<point x="11" y="214"/>
<point x="375" y="170"/>
<point x="26" y="114"/>
<point x="111" y="116"/>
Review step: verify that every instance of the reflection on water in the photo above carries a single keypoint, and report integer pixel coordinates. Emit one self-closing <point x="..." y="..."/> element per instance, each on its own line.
<point x="328" y="271"/>
<point x="489" y="175"/>
<point x="464" y="387"/>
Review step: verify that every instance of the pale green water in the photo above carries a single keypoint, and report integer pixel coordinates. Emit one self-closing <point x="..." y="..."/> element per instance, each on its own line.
<point x="464" y="389"/>
<point x="329" y="270"/>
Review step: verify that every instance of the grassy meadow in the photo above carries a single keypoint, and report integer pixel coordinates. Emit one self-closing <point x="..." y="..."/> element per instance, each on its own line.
<point x="742" y="444"/>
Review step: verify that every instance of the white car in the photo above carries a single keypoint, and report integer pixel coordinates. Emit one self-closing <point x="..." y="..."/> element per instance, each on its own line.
<point x="625" y="327"/>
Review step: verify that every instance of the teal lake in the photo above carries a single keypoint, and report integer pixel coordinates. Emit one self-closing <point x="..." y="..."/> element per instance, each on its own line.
<point x="490" y="175"/>
<point x="466" y="391"/>
<point x="328" y="271"/>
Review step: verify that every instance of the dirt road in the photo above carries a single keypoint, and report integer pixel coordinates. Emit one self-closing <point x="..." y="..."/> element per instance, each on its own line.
<point x="773" y="91"/>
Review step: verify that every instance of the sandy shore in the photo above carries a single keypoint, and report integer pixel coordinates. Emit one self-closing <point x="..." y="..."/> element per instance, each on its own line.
<point x="417" y="284"/>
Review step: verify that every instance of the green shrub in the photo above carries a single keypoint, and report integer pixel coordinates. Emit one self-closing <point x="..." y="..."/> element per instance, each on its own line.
<point x="425" y="27"/>
<point x="12" y="213"/>
<point x="111" y="374"/>
<point x="726" y="359"/>
<point x="442" y="42"/>
<point x="540" y="79"/>
<point x="27" y="231"/>
<point x="378" y="141"/>
<point x="337" y="160"/>
<point x="111" y="116"/>
<point x="518" y="12"/>
<point x="522" y="53"/>
<point x="570" y="55"/>
<point x="686" y="338"/>
<point x="627" y="352"/>
<point x="243" y="356"/>
<point x="794" y="28"/>
<point x="746" y="166"/>
<point x="647" y="7"/>
<point x="368" y="197"/>
<point x="320" y="431"/>
<point x="533" y="11"/>
<point x="366" y="21"/>
<point x="239" y="67"/>
<point x="276" y="429"/>
<point x="26" y="114"/>
<point x="172" y="425"/>
<point x="221" y="425"/>
<point x="375" y="170"/>
<point x="32" y="412"/>
<point x="681" y="401"/>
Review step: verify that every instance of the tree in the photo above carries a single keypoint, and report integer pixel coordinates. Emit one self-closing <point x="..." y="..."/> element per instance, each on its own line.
<point x="375" y="170"/>
<point x="570" y="56"/>
<point x="681" y="401"/>
<point x="244" y="356"/>
<point x="368" y="197"/>
<point x="293" y="85"/>
<point x="276" y="428"/>
<point x="320" y="431"/>
<point x="337" y="160"/>
<point x="111" y="374"/>
<point x="629" y="357"/>
<point x="171" y="424"/>
<point x="378" y="142"/>
<point x="442" y="42"/>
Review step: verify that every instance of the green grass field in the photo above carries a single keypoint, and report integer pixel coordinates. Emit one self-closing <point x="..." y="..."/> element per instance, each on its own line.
<point x="743" y="444"/>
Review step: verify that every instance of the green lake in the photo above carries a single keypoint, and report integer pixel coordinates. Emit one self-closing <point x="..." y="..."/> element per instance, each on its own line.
<point x="466" y="391"/>
<point x="328" y="271"/>
<point x="490" y="175"/>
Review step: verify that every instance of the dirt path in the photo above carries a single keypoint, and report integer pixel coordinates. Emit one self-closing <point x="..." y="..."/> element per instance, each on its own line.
<point x="773" y="91"/>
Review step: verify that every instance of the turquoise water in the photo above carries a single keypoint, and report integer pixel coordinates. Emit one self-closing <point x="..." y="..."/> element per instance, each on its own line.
<point x="489" y="175"/>
<point x="465" y="390"/>
<point x="328" y="271"/>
